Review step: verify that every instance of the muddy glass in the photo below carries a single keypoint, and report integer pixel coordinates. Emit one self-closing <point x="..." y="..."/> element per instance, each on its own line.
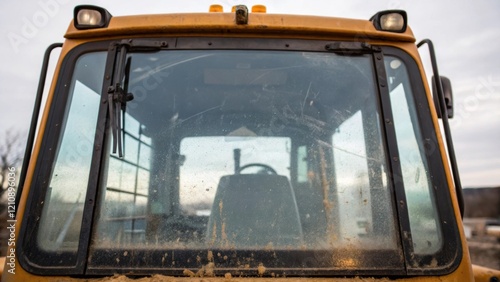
<point x="236" y="159"/>
<point x="65" y="197"/>
<point x="416" y="175"/>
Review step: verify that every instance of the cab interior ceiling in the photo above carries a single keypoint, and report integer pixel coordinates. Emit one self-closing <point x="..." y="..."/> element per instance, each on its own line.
<point x="301" y="94"/>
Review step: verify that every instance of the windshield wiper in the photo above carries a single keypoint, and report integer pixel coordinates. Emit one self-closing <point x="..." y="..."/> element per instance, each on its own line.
<point x="118" y="95"/>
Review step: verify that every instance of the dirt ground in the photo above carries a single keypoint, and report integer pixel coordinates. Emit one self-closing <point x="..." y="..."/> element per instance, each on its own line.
<point x="485" y="251"/>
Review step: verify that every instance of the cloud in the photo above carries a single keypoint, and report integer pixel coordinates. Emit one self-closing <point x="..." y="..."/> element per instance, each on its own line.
<point x="466" y="35"/>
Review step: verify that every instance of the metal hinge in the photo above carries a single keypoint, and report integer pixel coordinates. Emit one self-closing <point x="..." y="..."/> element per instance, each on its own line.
<point x="351" y="48"/>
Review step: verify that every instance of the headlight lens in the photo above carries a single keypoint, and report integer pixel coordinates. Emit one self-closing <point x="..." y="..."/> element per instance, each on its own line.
<point x="89" y="17"/>
<point x="392" y="22"/>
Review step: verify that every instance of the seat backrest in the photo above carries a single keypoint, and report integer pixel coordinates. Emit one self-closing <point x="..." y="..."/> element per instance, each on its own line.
<point x="251" y="210"/>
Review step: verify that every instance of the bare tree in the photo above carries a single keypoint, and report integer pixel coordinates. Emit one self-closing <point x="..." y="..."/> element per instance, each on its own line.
<point x="12" y="144"/>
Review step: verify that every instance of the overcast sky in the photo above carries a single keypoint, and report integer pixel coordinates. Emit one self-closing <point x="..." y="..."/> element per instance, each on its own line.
<point x="466" y="35"/>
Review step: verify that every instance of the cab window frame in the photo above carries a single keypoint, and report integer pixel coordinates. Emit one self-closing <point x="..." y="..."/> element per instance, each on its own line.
<point x="448" y="258"/>
<point x="30" y="255"/>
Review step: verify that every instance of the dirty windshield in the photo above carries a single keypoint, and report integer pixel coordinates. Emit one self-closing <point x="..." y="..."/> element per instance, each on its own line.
<point x="248" y="158"/>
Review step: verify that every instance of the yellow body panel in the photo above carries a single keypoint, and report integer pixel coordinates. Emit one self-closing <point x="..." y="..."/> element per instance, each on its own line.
<point x="483" y="274"/>
<point x="261" y="26"/>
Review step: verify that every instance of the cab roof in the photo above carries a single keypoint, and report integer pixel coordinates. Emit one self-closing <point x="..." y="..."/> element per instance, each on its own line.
<point x="224" y="24"/>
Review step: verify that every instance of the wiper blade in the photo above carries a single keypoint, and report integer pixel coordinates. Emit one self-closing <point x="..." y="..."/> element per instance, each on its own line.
<point x="118" y="96"/>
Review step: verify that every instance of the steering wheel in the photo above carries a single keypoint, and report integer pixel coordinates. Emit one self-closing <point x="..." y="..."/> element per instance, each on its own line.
<point x="267" y="169"/>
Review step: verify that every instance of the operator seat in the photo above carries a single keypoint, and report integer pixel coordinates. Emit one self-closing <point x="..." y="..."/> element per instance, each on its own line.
<point x="254" y="210"/>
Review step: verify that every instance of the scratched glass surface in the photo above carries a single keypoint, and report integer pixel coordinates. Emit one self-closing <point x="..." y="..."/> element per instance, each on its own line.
<point x="249" y="150"/>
